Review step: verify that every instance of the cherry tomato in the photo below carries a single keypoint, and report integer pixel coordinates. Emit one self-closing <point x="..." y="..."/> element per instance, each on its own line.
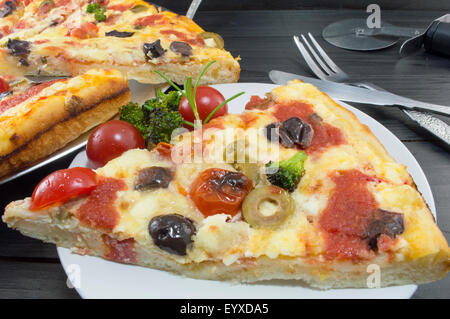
<point x="63" y="185"/>
<point x="207" y="99"/>
<point x="218" y="191"/>
<point x="110" y="140"/>
<point x="4" y="86"/>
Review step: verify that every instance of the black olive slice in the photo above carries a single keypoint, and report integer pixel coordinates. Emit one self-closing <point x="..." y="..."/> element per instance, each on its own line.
<point x="119" y="34"/>
<point x="18" y="47"/>
<point x="24" y="62"/>
<point x="384" y="222"/>
<point x="271" y="132"/>
<point x="301" y="132"/>
<point x="285" y="137"/>
<point x="7" y="9"/>
<point x="153" y="177"/>
<point x="153" y="50"/>
<point x="172" y="233"/>
<point x="181" y="47"/>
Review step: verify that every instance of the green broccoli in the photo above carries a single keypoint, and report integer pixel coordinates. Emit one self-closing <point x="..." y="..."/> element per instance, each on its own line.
<point x="287" y="174"/>
<point x="156" y="119"/>
<point x="161" y="123"/>
<point x="134" y="114"/>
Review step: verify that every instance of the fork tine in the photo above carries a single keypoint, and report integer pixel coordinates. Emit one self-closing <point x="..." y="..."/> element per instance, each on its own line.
<point x="309" y="60"/>
<point x="325" y="56"/>
<point x="316" y="56"/>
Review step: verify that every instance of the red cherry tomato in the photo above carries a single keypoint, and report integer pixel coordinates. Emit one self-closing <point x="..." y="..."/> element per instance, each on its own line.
<point x="63" y="185"/>
<point x="218" y="191"/>
<point x="207" y="99"/>
<point x="4" y="86"/>
<point x="110" y="140"/>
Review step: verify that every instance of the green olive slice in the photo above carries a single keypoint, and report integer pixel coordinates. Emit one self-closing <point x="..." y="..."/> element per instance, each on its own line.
<point x="219" y="43"/>
<point x="139" y="8"/>
<point x="267" y="206"/>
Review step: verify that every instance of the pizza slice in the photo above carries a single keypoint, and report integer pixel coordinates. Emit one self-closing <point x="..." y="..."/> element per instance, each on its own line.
<point x="298" y="189"/>
<point x="38" y="119"/>
<point x="69" y="37"/>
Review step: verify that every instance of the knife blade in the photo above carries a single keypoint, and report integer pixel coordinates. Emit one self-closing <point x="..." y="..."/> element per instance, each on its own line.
<point x="348" y="93"/>
<point x="431" y="123"/>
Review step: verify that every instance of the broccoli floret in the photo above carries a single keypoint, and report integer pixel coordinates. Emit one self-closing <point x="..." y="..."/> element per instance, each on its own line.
<point x="287" y="174"/>
<point x="171" y="99"/>
<point x="161" y="123"/>
<point x="134" y="114"/>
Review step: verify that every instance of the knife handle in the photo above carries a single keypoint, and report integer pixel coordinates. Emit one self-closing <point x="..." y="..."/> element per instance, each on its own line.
<point x="432" y="124"/>
<point x="437" y="38"/>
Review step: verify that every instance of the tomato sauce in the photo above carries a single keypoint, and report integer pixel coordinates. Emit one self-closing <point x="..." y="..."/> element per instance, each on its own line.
<point x="14" y="100"/>
<point x="149" y="20"/>
<point x="121" y="7"/>
<point x="348" y="213"/>
<point x="257" y="102"/>
<point x="183" y="37"/>
<point x="325" y="135"/>
<point x="120" y="250"/>
<point x="99" y="211"/>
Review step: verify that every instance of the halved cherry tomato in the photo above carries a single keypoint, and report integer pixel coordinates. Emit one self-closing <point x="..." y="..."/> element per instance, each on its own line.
<point x="84" y="31"/>
<point x="207" y="99"/>
<point x="218" y="191"/>
<point x="110" y="140"/>
<point x="63" y="185"/>
<point x="4" y="86"/>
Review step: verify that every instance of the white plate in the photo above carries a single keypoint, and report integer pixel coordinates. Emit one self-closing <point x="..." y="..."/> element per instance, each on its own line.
<point x="100" y="278"/>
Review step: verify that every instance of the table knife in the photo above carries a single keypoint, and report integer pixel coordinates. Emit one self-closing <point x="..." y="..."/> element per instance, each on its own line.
<point x="431" y="123"/>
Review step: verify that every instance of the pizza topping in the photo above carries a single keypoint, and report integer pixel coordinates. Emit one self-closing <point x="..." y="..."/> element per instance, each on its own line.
<point x="18" y="47"/>
<point x="219" y="191"/>
<point x="7" y="9"/>
<point x="99" y="211"/>
<point x="383" y="223"/>
<point x="139" y="8"/>
<point x="97" y="10"/>
<point x="267" y="206"/>
<point x="63" y="185"/>
<point x="181" y="47"/>
<point x="120" y="7"/>
<point x="120" y="250"/>
<point x="4" y="86"/>
<point x="172" y="233"/>
<point x="259" y="103"/>
<point x="325" y="135"/>
<point x="148" y="20"/>
<point x="84" y="31"/>
<point x="45" y="7"/>
<point x="19" y="98"/>
<point x="153" y="50"/>
<point x="212" y="39"/>
<point x="153" y="177"/>
<point x="119" y="34"/>
<point x="346" y="218"/>
<point x="300" y="132"/>
<point x="287" y="174"/>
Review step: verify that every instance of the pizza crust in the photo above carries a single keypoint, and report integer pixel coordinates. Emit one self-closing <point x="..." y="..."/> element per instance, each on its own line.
<point x="65" y="231"/>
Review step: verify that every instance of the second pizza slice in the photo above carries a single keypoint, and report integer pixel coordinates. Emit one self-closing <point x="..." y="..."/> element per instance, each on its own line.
<point x="69" y="37"/>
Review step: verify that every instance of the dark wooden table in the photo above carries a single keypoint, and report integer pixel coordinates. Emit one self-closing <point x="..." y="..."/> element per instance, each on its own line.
<point x="263" y="39"/>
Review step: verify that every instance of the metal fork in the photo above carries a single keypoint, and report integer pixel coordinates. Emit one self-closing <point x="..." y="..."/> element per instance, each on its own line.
<point x="325" y="69"/>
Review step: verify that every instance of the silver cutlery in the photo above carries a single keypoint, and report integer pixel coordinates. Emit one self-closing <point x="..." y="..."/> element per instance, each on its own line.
<point x="325" y="69"/>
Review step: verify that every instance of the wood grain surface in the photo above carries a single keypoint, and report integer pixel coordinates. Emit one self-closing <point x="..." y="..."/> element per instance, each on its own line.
<point x="263" y="40"/>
